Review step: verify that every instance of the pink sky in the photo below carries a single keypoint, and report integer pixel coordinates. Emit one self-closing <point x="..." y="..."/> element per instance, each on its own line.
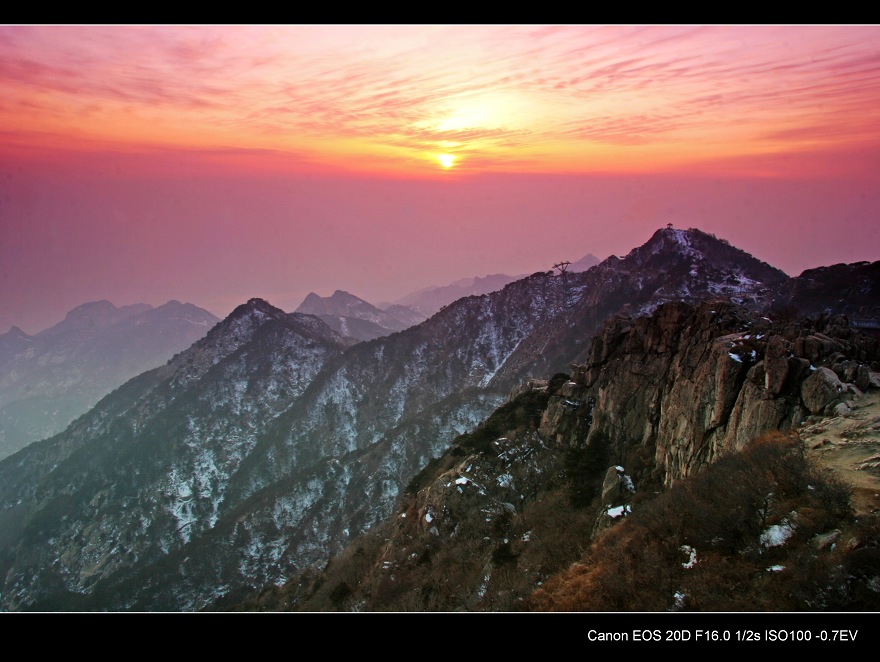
<point x="214" y="163"/>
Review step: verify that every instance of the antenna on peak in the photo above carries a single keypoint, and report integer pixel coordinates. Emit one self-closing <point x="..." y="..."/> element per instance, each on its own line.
<point x="669" y="226"/>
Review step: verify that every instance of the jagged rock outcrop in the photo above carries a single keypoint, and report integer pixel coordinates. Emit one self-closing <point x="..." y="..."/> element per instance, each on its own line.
<point x="527" y="386"/>
<point x="614" y="499"/>
<point x="674" y="390"/>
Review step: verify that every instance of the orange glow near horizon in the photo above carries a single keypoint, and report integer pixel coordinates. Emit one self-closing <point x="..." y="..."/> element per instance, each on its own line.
<point x="374" y="99"/>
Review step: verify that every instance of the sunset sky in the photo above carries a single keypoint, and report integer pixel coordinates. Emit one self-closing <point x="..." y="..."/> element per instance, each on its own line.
<point x="211" y="164"/>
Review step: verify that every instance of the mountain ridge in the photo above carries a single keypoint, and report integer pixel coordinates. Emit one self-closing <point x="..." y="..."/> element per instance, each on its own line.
<point x="320" y="439"/>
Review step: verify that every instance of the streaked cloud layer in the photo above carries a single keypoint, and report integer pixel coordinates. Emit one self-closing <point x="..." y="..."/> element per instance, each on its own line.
<point x="500" y="98"/>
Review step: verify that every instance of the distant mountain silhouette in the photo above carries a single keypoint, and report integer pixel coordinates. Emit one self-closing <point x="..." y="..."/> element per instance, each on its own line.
<point x="353" y="317"/>
<point x="429" y="300"/>
<point x="50" y="378"/>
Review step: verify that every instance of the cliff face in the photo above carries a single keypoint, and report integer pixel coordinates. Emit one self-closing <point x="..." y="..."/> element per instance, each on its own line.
<point x="670" y="392"/>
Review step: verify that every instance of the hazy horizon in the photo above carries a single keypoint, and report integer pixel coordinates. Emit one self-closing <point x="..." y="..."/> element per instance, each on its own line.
<point x="211" y="164"/>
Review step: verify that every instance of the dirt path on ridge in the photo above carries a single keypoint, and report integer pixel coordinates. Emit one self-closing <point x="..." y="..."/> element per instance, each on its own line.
<point x="850" y="445"/>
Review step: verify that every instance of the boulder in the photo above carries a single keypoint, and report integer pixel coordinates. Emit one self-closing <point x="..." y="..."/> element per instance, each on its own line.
<point x="862" y="377"/>
<point x="616" y="487"/>
<point x="821" y="389"/>
<point x="824" y="540"/>
<point x="816" y="346"/>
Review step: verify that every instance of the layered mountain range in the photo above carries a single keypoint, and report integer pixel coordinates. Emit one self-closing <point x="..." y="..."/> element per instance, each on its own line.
<point x="272" y="442"/>
<point x="50" y="378"/>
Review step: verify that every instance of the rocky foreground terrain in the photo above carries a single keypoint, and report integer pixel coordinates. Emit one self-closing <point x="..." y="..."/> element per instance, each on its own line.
<point x="849" y="444"/>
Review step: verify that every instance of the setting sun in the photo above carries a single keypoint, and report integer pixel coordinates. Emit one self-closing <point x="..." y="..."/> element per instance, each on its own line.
<point x="446" y="160"/>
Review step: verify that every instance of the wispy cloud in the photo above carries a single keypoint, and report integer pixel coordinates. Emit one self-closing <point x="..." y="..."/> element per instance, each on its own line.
<point x="408" y="90"/>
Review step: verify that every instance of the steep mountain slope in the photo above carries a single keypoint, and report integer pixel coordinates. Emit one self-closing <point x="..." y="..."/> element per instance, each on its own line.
<point x="48" y="379"/>
<point x="399" y="399"/>
<point x="422" y="386"/>
<point x="278" y="471"/>
<point x="147" y="470"/>
<point x="334" y="464"/>
<point x="430" y="300"/>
